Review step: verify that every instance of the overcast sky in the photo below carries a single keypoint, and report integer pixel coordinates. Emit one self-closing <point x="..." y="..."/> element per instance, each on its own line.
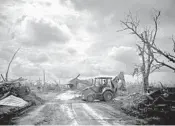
<point x="67" y="37"/>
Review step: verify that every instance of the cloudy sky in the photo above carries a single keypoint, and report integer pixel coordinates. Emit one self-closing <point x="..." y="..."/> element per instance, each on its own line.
<point x="67" y="37"/>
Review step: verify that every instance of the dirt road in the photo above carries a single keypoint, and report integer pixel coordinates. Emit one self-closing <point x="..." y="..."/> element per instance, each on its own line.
<point x="67" y="109"/>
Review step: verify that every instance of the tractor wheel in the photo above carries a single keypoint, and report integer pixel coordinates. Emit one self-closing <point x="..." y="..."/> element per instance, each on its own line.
<point x="108" y="95"/>
<point x="90" y="98"/>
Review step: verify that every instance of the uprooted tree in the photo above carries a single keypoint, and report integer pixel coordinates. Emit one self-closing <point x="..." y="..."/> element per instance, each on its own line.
<point x="148" y="50"/>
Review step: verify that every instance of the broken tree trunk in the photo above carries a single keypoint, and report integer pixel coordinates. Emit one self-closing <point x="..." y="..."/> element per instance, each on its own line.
<point x="2" y="77"/>
<point x="13" y="81"/>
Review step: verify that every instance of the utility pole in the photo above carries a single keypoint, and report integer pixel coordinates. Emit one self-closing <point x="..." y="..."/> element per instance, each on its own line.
<point x="39" y="81"/>
<point x="44" y="77"/>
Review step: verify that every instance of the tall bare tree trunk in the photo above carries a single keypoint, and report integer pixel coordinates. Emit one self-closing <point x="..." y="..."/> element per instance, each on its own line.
<point x="145" y="82"/>
<point x="146" y="45"/>
<point x="6" y="78"/>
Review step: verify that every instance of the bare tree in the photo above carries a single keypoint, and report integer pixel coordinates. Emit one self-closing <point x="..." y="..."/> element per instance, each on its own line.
<point x="6" y="79"/>
<point x="154" y="50"/>
<point x="147" y="38"/>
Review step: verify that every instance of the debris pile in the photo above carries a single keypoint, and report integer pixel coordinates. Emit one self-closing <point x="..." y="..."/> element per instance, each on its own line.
<point x="158" y="101"/>
<point x="15" y="99"/>
<point x="13" y="88"/>
<point x="131" y="104"/>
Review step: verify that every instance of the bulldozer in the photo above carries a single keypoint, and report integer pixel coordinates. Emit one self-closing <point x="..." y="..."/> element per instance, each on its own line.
<point x="103" y="89"/>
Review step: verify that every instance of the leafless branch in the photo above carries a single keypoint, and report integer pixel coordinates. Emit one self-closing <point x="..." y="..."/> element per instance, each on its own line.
<point x="165" y="64"/>
<point x="155" y="67"/>
<point x="166" y="55"/>
<point x="14" y="81"/>
<point x="121" y="30"/>
<point x="156" y="17"/>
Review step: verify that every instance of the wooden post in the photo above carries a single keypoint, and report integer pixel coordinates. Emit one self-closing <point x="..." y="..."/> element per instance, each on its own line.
<point x="44" y="77"/>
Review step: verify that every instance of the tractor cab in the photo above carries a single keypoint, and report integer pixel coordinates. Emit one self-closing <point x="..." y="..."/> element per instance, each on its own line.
<point x="102" y="82"/>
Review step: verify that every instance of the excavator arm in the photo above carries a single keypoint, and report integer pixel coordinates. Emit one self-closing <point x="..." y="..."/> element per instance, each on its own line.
<point x="116" y="80"/>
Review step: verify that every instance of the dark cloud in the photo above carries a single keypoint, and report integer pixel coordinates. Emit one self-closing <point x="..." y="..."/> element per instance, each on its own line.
<point x="119" y="9"/>
<point x="43" y="32"/>
<point x="127" y="55"/>
<point x="71" y="51"/>
<point x="103" y="7"/>
<point x="39" y="58"/>
<point x="46" y="4"/>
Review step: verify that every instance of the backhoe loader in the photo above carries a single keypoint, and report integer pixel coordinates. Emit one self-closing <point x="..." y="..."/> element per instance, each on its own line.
<point x="103" y="89"/>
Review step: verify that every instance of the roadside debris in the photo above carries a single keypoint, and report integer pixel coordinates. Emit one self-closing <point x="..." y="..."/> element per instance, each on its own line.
<point x="161" y="100"/>
<point x="76" y="83"/>
<point x="13" y="101"/>
<point x="156" y="106"/>
<point x="13" y="87"/>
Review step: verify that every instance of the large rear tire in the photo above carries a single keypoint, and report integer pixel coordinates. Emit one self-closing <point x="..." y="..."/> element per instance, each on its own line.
<point x="90" y="98"/>
<point x="108" y="95"/>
